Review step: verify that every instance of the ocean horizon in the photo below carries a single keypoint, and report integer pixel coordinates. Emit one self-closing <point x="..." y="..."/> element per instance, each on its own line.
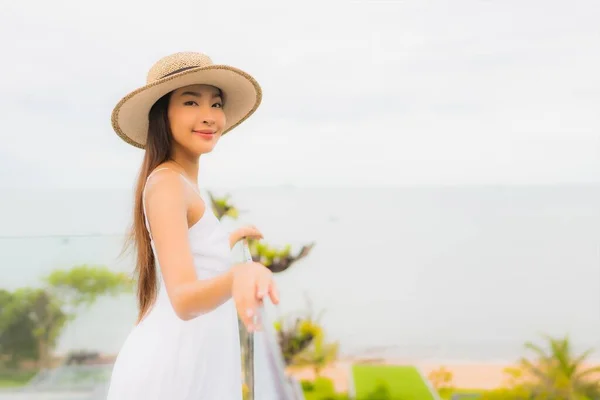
<point x="461" y="273"/>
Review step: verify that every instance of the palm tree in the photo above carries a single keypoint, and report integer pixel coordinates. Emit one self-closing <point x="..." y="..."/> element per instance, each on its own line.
<point x="560" y="374"/>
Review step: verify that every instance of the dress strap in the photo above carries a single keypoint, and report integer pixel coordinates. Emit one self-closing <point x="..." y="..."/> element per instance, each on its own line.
<point x="186" y="180"/>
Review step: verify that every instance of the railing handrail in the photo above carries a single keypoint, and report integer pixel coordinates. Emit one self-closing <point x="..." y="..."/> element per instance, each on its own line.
<point x="267" y="341"/>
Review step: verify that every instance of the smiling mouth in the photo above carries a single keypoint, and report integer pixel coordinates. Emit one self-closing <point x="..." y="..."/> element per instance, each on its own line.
<point x="205" y="132"/>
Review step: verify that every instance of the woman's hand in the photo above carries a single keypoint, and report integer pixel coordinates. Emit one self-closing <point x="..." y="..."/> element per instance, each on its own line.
<point x="252" y="282"/>
<point x="246" y="232"/>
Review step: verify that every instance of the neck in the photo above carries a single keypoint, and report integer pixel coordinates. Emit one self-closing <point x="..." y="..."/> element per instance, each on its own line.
<point x="189" y="165"/>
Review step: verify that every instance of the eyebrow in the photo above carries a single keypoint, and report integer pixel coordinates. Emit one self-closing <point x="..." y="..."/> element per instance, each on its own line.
<point x="196" y="94"/>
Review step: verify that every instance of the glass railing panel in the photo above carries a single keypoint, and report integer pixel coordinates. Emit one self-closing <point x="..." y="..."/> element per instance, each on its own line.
<point x="263" y="365"/>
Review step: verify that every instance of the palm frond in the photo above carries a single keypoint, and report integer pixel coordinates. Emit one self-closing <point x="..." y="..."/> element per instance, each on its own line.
<point x="536" y="349"/>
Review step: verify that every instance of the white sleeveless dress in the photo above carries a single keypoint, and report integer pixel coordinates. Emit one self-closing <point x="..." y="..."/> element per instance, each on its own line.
<point x="166" y="358"/>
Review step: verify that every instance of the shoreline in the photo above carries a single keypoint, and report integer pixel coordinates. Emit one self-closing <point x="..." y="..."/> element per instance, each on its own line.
<point x="470" y="375"/>
<point x="350" y="358"/>
<point x="466" y="374"/>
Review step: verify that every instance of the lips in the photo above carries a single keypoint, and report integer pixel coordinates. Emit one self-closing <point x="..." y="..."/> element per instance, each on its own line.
<point x="205" y="134"/>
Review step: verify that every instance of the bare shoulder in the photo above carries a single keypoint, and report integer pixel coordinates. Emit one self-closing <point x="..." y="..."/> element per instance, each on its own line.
<point x="164" y="193"/>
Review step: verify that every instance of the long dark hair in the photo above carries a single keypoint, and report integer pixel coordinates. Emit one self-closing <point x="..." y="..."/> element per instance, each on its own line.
<point x="158" y="150"/>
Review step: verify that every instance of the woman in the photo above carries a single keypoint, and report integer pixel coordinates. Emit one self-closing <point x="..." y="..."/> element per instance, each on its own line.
<point x="186" y="342"/>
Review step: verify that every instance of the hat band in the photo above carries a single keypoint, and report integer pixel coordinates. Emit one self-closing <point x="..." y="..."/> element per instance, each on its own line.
<point x="178" y="71"/>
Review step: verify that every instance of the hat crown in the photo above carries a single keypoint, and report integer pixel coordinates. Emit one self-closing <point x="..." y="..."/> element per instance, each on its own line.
<point x="176" y="62"/>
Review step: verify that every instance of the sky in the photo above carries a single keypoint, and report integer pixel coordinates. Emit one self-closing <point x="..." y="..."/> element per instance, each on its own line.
<point x="356" y="93"/>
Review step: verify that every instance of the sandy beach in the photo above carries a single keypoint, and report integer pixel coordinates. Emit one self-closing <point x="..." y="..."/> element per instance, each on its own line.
<point x="471" y="376"/>
<point x="465" y="375"/>
<point x="468" y="376"/>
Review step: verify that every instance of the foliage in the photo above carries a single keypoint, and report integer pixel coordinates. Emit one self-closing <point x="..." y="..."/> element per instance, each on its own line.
<point x="555" y="374"/>
<point x="325" y="396"/>
<point x="32" y="319"/>
<point x="324" y="385"/>
<point x="307" y="386"/>
<point x="222" y="207"/>
<point x="560" y="372"/>
<point x="277" y="260"/>
<point x="303" y="342"/>
<point x="17" y="342"/>
<point x="441" y="380"/>
<point x="296" y="333"/>
<point x="297" y="338"/>
<point x="31" y="322"/>
<point x="12" y="377"/>
<point x="381" y="392"/>
<point x="83" y="284"/>
<point x="318" y="354"/>
<point x="321" y="389"/>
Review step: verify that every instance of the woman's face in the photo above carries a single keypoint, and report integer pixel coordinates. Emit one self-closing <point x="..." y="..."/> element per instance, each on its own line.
<point x="196" y="117"/>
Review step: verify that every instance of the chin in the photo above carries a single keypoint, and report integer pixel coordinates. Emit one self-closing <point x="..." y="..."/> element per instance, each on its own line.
<point x="203" y="150"/>
<point x="201" y="146"/>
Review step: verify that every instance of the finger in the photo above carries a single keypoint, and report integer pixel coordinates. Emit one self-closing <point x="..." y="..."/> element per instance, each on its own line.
<point x="247" y="305"/>
<point x="262" y="288"/>
<point x="274" y="293"/>
<point x="248" y="317"/>
<point x="263" y="282"/>
<point x="253" y="234"/>
<point x="256" y="232"/>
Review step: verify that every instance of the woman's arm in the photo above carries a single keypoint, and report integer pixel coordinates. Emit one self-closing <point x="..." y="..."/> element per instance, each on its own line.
<point x="166" y="205"/>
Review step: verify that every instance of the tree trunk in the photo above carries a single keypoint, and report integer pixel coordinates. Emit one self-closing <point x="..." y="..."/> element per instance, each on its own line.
<point x="43" y="354"/>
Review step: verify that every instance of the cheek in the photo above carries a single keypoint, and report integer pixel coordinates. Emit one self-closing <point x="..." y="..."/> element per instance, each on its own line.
<point x="179" y="122"/>
<point x="221" y="119"/>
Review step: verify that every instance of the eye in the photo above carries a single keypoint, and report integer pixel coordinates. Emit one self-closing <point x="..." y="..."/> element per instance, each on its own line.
<point x="190" y="103"/>
<point x="218" y="105"/>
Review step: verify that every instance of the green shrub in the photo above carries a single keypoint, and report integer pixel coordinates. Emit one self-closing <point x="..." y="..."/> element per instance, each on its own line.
<point x="9" y="378"/>
<point x="381" y="392"/>
<point x="324" y="386"/>
<point x="319" y="396"/>
<point x="321" y="389"/>
<point x="307" y="386"/>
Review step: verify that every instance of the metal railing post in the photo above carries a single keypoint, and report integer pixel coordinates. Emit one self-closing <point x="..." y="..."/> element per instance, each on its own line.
<point x="249" y="341"/>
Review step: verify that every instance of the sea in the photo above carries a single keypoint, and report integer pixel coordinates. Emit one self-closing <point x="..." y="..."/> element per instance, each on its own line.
<point x="419" y="273"/>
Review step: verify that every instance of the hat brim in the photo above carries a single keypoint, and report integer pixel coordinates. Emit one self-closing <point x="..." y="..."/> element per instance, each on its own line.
<point x="242" y="96"/>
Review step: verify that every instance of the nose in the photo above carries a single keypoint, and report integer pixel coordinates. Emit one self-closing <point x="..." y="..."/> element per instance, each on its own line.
<point x="206" y="116"/>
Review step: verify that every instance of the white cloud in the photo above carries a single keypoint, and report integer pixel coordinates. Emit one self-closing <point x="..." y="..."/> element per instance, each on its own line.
<point x="356" y="92"/>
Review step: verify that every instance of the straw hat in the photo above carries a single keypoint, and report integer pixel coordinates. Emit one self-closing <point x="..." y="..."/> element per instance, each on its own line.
<point x="241" y="93"/>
